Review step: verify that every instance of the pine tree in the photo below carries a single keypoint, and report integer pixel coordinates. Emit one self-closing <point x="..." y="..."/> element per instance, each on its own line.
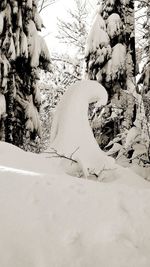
<point x="22" y="52"/>
<point x="110" y="59"/>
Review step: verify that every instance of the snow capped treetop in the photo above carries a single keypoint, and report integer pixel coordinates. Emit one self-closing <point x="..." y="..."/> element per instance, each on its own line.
<point x="98" y="36"/>
<point x="114" y="25"/>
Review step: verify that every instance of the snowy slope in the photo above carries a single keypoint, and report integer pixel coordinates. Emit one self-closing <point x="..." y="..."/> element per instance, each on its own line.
<point x="62" y="221"/>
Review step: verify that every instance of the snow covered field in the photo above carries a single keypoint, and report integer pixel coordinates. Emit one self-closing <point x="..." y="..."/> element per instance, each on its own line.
<point x="49" y="217"/>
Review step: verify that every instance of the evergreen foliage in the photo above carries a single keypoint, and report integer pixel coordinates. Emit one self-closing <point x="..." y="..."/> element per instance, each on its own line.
<point x="110" y="59"/>
<point x="22" y="53"/>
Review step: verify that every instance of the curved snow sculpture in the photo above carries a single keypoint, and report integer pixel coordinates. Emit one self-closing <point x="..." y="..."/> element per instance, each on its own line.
<point x="71" y="133"/>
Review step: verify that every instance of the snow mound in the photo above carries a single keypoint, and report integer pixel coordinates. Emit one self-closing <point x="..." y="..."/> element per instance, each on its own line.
<point x="71" y="132"/>
<point x="56" y="220"/>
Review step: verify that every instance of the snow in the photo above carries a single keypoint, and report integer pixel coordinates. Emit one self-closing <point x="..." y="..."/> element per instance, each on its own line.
<point x="11" y="51"/>
<point x="37" y="45"/>
<point x="97" y="37"/>
<point x="15" y="7"/>
<point x="37" y="95"/>
<point x="132" y="134"/>
<point x="116" y="65"/>
<point x="34" y="44"/>
<point x="49" y="218"/>
<point x="20" y="18"/>
<point x="1" y="22"/>
<point x="31" y="114"/>
<point x="2" y="105"/>
<point x="102" y="54"/>
<point x="114" y="25"/>
<point x="38" y="21"/>
<point x="6" y="41"/>
<point x="29" y="4"/>
<point x="53" y="219"/>
<point x="6" y="65"/>
<point x="24" y="45"/>
<point x="71" y="132"/>
<point x="72" y="137"/>
<point x="44" y="49"/>
<point x="33" y="122"/>
<point x="8" y="13"/>
<point x="125" y="2"/>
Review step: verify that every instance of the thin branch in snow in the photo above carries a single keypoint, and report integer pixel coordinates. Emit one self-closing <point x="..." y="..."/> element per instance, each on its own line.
<point x="58" y="155"/>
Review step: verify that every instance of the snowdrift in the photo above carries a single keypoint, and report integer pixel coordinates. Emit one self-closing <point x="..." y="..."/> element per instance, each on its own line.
<point x="60" y="221"/>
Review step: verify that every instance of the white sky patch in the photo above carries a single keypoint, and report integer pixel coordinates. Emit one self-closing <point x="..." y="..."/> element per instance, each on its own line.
<point x="49" y="16"/>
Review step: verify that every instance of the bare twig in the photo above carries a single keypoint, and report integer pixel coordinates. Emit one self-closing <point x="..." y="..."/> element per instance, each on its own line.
<point x="58" y="155"/>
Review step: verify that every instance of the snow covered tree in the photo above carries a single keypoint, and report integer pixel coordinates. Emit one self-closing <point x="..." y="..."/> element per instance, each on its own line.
<point x="110" y="59"/>
<point x="22" y="52"/>
<point x="142" y="18"/>
<point x="143" y="42"/>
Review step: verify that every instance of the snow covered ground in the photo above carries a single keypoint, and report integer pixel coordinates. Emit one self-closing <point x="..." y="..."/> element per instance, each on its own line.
<point x="49" y="217"/>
